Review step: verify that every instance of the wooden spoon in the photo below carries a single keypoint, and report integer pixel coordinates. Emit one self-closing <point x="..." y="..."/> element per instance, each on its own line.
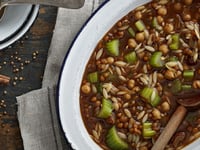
<point x="175" y="120"/>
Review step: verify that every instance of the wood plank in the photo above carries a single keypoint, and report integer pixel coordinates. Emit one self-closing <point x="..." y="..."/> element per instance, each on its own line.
<point x="26" y="73"/>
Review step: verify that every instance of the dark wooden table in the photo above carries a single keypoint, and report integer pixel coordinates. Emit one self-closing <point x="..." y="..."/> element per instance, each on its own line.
<point x="24" y="62"/>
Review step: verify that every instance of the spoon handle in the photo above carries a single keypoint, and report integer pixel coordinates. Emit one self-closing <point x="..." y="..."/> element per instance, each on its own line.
<point x="170" y="128"/>
<point x="58" y="3"/>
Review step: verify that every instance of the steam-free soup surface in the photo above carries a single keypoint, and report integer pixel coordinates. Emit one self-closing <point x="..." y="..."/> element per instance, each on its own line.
<point x="135" y="73"/>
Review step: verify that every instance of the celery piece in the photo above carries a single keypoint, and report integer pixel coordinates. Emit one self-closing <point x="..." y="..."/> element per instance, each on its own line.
<point x="106" y="109"/>
<point x="155" y="60"/>
<point x="113" y="47"/>
<point x="130" y="57"/>
<point x="93" y="77"/>
<point x="176" y="86"/>
<point x="131" y="31"/>
<point x="148" y="133"/>
<point x="147" y="125"/>
<point x="99" y="87"/>
<point x="146" y="94"/>
<point x="175" y="42"/>
<point x="156" y="101"/>
<point x="188" y="75"/>
<point x="114" y="142"/>
<point x="186" y="87"/>
<point x="140" y="25"/>
<point x="172" y="58"/>
<point x="155" y="24"/>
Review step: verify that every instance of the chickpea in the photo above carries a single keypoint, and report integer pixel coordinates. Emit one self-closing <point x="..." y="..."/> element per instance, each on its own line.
<point x="160" y="19"/>
<point x="120" y="125"/>
<point x="196" y="84"/>
<point x="119" y="24"/>
<point x="162" y="11"/>
<point x="170" y="75"/>
<point x="132" y="43"/>
<point x="120" y="34"/>
<point x="86" y="88"/>
<point x="168" y="28"/>
<point x="156" y="114"/>
<point x="141" y="55"/>
<point x="140" y="37"/>
<point x="188" y="2"/>
<point x="110" y="60"/>
<point x="186" y="17"/>
<point x="93" y="99"/>
<point x="177" y="6"/>
<point x="127" y="96"/>
<point x="164" y="49"/>
<point x="165" y="106"/>
<point x="138" y="15"/>
<point x="131" y="83"/>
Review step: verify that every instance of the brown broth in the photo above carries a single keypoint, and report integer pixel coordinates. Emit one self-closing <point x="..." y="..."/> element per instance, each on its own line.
<point x="122" y="82"/>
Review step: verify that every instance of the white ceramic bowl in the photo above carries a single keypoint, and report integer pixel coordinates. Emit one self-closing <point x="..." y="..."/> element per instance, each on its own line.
<point x="15" y="22"/>
<point x="73" y="69"/>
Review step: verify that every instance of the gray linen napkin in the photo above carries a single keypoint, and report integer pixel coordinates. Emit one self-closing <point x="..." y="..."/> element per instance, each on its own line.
<point x="37" y="116"/>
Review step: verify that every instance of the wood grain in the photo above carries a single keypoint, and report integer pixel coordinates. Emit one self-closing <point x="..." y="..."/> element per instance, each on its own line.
<point x="24" y="63"/>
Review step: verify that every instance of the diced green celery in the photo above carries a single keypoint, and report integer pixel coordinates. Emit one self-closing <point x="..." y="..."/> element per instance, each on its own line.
<point x="148" y="133"/>
<point x="186" y="87"/>
<point x="175" y="42"/>
<point x="156" y="101"/>
<point x="93" y="77"/>
<point x="155" y="24"/>
<point x="147" y="125"/>
<point x="99" y="87"/>
<point x="188" y="75"/>
<point x="156" y="61"/>
<point x="131" y="31"/>
<point x="172" y="58"/>
<point x="113" y="47"/>
<point x="114" y="142"/>
<point x="176" y="86"/>
<point x="140" y="25"/>
<point x="106" y="109"/>
<point x="130" y="57"/>
<point x="147" y="92"/>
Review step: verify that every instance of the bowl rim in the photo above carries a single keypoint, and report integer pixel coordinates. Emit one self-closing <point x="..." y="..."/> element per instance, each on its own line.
<point x="61" y="72"/>
<point x="58" y="104"/>
<point x="28" y="22"/>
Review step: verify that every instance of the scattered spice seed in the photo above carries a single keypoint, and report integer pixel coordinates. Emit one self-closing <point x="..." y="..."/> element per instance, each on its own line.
<point x="14" y="83"/>
<point x="5" y="92"/>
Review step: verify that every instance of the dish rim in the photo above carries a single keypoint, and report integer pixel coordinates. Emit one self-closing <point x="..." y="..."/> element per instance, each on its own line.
<point x="26" y="25"/>
<point x="195" y="144"/>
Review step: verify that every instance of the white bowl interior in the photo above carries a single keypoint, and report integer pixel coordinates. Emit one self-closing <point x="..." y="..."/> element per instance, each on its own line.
<point x="13" y="18"/>
<point x="15" y="22"/>
<point x="74" y="66"/>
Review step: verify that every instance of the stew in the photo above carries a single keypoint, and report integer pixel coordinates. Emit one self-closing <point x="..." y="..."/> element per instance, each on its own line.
<point x="131" y="81"/>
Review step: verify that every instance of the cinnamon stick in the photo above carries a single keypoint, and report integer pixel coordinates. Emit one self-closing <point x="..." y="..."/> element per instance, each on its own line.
<point x="4" y="80"/>
<point x="170" y="128"/>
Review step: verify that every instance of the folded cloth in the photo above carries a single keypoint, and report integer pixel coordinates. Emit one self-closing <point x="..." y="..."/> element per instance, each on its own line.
<point x="37" y="114"/>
